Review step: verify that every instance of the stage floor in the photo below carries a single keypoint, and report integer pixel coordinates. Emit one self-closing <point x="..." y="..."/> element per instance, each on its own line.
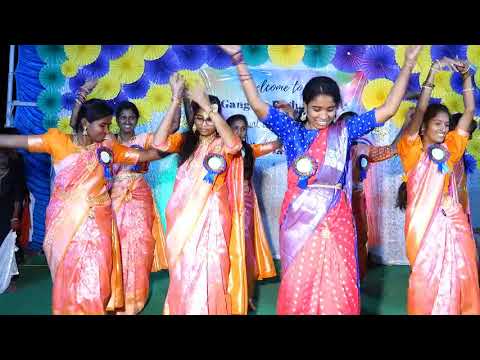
<point x="383" y="291"/>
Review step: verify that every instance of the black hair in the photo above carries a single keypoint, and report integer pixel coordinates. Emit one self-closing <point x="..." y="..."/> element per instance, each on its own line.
<point x="93" y="110"/>
<point x="455" y="118"/>
<point x="126" y="105"/>
<point x="192" y="138"/>
<point x="346" y="115"/>
<point x="237" y="117"/>
<point x="248" y="160"/>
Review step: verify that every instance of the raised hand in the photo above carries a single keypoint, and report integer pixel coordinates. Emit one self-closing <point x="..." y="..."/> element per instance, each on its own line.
<point x="446" y="63"/>
<point x="231" y="49"/>
<point x="89" y="86"/>
<point x="285" y="107"/>
<point x="177" y="84"/>
<point x="199" y="95"/>
<point x="462" y="66"/>
<point x="411" y="53"/>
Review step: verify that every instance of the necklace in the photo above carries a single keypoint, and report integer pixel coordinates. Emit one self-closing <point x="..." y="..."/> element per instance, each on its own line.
<point x="207" y="139"/>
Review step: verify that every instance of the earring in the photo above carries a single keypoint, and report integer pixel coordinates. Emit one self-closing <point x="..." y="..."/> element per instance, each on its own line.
<point x="194" y="128"/>
<point x="84" y="131"/>
<point x="303" y="117"/>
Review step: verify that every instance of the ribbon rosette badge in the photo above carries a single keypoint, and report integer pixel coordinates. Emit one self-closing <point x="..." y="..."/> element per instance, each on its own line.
<point x="105" y="158"/>
<point x="215" y="164"/>
<point x="439" y="155"/>
<point x="363" y="165"/>
<point x="305" y="167"/>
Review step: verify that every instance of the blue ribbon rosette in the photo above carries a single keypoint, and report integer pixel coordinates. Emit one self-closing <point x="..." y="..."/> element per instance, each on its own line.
<point x="140" y="167"/>
<point x="215" y="165"/>
<point x="469" y="163"/>
<point x="305" y="167"/>
<point x="439" y="155"/>
<point x="105" y="158"/>
<point x="363" y="166"/>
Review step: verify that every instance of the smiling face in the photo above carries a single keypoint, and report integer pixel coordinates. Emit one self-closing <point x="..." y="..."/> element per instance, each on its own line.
<point x="127" y="121"/>
<point x="98" y="129"/>
<point x="239" y="127"/>
<point x="436" y="128"/>
<point x="321" y="112"/>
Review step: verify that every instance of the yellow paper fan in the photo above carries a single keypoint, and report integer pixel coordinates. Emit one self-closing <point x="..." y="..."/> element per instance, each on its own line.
<point x="145" y="108"/>
<point x="63" y="125"/>
<point x="107" y="88"/>
<point x="114" y="128"/>
<point x="159" y="96"/>
<point x="82" y="55"/>
<point x="153" y="52"/>
<point x="473" y="54"/>
<point x="375" y="93"/>
<point x="129" y="67"/>
<point x="454" y="102"/>
<point x="441" y="82"/>
<point x="400" y="117"/>
<point x="286" y="55"/>
<point x="473" y="146"/>
<point x="69" y="69"/>
<point x="192" y="78"/>
<point x="424" y="58"/>
<point x="477" y="78"/>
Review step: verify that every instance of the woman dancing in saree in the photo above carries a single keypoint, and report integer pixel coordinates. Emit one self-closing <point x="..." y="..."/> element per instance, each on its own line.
<point x="258" y="258"/>
<point x="81" y="244"/>
<point x="317" y="239"/>
<point x="440" y="246"/>
<point x="142" y="239"/>
<point x="203" y="262"/>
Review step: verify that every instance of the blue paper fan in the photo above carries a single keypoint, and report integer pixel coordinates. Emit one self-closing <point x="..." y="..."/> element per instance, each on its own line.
<point x="414" y="83"/>
<point x="49" y="102"/>
<point x="160" y="70"/>
<point x="191" y="57"/>
<point x="138" y="89"/>
<point x="318" y="56"/>
<point x="77" y="81"/>
<point x="451" y="51"/>
<point x="255" y="55"/>
<point x="379" y="62"/>
<point x="217" y="58"/>
<point x="113" y="51"/>
<point x="68" y="101"/>
<point x="98" y="68"/>
<point x="348" y="57"/>
<point x="117" y="100"/>
<point x="51" y="77"/>
<point x="51" y="54"/>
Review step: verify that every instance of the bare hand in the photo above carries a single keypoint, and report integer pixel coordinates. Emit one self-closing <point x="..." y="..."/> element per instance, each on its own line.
<point x="199" y="95"/>
<point x="231" y="49"/>
<point x="412" y="52"/>
<point x="462" y="66"/>
<point x="284" y="106"/>
<point x="89" y="85"/>
<point x="447" y="63"/>
<point x="177" y="84"/>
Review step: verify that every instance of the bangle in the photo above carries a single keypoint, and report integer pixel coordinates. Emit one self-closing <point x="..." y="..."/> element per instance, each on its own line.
<point x="469" y="89"/>
<point x="239" y="59"/>
<point x="179" y="99"/>
<point x="14" y="219"/>
<point x="428" y="85"/>
<point x="78" y="101"/>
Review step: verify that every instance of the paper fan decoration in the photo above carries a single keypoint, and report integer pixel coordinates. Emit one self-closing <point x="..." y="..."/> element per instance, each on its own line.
<point x="114" y="128"/>
<point x="127" y="68"/>
<point x="50" y="122"/>
<point x="451" y="51"/>
<point x="68" y="101"/>
<point x="51" y="77"/>
<point x="424" y="59"/>
<point x="51" y="54"/>
<point x="255" y="55"/>
<point x="473" y="146"/>
<point x="117" y="100"/>
<point x="318" y="56"/>
<point x="63" y="125"/>
<point x="107" y="88"/>
<point x="442" y="84"/>
<point x="414" y="84"/>
<point x="113" y="51"/>
<point x="138" y="89"/>
<point x="375" y="93"/>
<point x="477" y="78"/>
<point x="145" y="108"/>
<point x="401" y="114"/>
<point x="150" y="52"/>
<point x="379" y="62"/>
<point x="343" y="78"/>
<point x="286" y="55"/>
<point x="454" y="102"/>
<point x="77" y="81"/>
<point x="159" y="71"/>
<point x="49" y="102"/>
<point x="473" y="54"/>
<point x="348" y="57"/>
<point x="191" y="57"/>
<point x="217" y="58"/>
<point x="69" y="69"/>
<point x="97" y="69"/>
<point x="82" y="55"/>
<point x="160" y="97"/>
<point x="192" y="78"/>
<point x="456" y="82"/>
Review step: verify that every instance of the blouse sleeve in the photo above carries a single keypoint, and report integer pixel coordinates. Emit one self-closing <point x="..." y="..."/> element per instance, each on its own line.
<point x="362" y="124"/>
<point x="456" y="143"/>
<point x="264" y="149"/>
<point x="409" y="149"/>
<point x="172" y="145"/>
<point x="45" y="143"/>
<point x="124" y="155"/>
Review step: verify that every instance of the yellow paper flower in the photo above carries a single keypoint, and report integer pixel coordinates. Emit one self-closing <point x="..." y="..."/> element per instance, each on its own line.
<point x="473" y="54"/>
<point x="69" y="69"/>
<point x="159" y="96"/>
<point x="107" y="88"/>
<point x="286" y="55"/>
<point x="400" y="117"/>
<point x="82" y="55"/>
<point x="424" y="59"/>
<point x="477" y="78"/>
<point x="150" y="52"/>
<point x="192" y="78"/>
<point x="145" y="108"/>
<point x="63" y="125"/>
<point x="473" y="146"/>
<point x="454" y="102"/>
<point x="129" y="67"/>
<point x="375" y="93"/>
<point x="441" y="82"/>
<point x="114" y="128"/>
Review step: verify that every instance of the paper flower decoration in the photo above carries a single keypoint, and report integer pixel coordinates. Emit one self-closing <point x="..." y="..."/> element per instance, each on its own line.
<point x="192" y="78"/>
<point x="51" y="77"/>
<point x="97" y="69"/>
<point x="63" y="125"/>
<point x="51" y="54"/>
<point x="255" y="55"/>
<point x="117" y="100"/>
<point x="159" y="71"/>
<point x="473" y="146"/>
<point x="456" y="82"/>
<point x="375" y="93"/>
<point x="477" y="78"/>
<point x="442" y="84"/>
<point x="145" y="108"/>
<point x="191" y="57"/>
<point x="343" y="78"/>
<point x="150" y="52"/>
<point x="424" y="59"/>
<point x="473" y="54"/>
<point x="49" y="102"/>
<point x="379" y="62"/>
<point x="68" y="101"/>
<point x="113" y="51"/>
<point x="400" y="116"/>
<point x="286" y="55"/>
<point x="217" y="58"/>
<point x="160" y="97"/>
<point x="318" y="56"/>
<point x="454" y="102"/>
<point x="138" y="89"/>
<point x="414" y="83"/>
<point x="77" y="81"/>
<point x="107" y="88"/>
<point x="69" y="69"/>
<point x="82" y="55"/>
<point x="50" y="122"/>
<point x="348" y="57"/>
<point x="114" y="128"/>
<point x="127" y="68"/>
<point x="451" y="51"/>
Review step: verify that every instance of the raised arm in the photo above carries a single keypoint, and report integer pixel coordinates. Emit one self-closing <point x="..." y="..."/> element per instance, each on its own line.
<point x="14" y="141"/>
<point x="267" y="148"/>
<point x="83" y="92"/>
<point x="249" y="87"/>
<point x="391" y="105"/>
<point x="171" y="120"/>
<point x="468" y="96"/>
